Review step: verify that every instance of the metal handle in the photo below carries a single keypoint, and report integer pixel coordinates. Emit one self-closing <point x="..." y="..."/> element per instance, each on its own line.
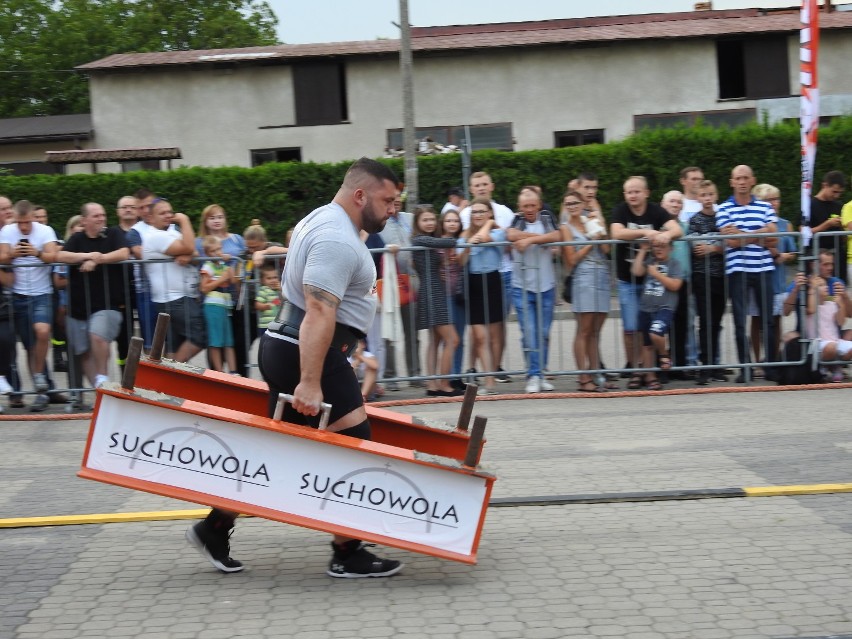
<point x="284" y="398"/>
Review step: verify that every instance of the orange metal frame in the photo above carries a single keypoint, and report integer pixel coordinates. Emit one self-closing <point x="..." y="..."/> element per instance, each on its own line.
<point x="202" y="408"/>
<point x="252" y="396"/>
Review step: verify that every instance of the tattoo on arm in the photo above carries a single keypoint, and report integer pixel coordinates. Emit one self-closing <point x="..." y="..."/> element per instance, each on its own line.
<point x="323" y="296"/>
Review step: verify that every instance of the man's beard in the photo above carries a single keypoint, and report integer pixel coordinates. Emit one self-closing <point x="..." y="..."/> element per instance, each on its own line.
<point x="369" y="222"/>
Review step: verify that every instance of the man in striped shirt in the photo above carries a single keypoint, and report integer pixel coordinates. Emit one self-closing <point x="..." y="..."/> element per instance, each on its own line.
<point x="748" y="263"/>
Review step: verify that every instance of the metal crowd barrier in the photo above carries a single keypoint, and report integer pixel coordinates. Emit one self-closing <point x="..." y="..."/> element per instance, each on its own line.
<point x="138" y="310"/>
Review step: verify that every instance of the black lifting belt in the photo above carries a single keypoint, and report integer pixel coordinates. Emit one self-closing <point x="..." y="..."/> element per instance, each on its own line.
<point x="289" y="318"/>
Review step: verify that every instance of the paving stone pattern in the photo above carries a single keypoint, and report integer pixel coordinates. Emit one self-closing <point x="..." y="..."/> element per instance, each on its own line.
<point x="771" y="567"/>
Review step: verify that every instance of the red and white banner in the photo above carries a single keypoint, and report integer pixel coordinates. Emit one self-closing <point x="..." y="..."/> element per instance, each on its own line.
<point x="809" y="105"/>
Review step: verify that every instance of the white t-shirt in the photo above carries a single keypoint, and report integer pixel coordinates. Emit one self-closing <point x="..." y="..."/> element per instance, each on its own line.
<point x="449" y="206"/>
<point x="30" y="280"/>
<point x="327" y="252"/>
<point x="169" y="281"/>
<point x="503" y="217"/>
<point x="690" y="208"/>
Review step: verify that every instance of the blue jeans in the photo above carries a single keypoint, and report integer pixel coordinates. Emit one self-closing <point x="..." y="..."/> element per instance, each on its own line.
<point x="147" y="313"/>
<point x="506" y="276"/>
<point x="628" y="302"/>
<point x="535" y="322"/>
<point x="457" y="316"/>
<point x="29" y="310"/>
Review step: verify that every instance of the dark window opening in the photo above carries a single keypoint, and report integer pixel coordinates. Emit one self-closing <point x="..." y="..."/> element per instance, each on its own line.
<point x="286" y="154"/>
<point x="753" y="68"/>
<point x="31" y="168"/>
<point x="319" y="90"/>
<point x="141" y="165"/>
<point x="577" y="138"/>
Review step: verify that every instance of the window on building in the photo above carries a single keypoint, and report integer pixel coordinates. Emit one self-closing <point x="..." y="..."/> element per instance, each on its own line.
<point x="482" y="136"/>
<point x="577" y="138"/>
<point x="320" y="93"/>
<point x="285" y="154"/>
<point x="31" y="168"/>
<point x="140" y="165"/>
<point x="753" y="68"/>
<point x="730" y="118"/>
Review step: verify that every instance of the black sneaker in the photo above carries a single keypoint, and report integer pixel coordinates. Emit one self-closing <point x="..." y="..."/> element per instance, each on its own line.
<point x="704" y="378"/>
<point x="718" y="375"/>
<point x="360" y="562"/>
<point x="214" y="545"/>
<point x="501" y="376"/>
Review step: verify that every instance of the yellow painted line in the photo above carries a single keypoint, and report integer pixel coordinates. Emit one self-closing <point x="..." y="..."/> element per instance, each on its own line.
<point x="167" y="515"/>
<point x="805" y="489"/>
<point x="110" y="518"/>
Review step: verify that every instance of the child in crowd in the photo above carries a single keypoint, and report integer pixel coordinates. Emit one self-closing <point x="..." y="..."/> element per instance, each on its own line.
<point x="825" y="317"/>
<point x="367" y="368"/>
<point x="268" y="298"/>
<point x="216" y="281"/>
<point x="663" y="278"/>
<point x="708" y="282"/>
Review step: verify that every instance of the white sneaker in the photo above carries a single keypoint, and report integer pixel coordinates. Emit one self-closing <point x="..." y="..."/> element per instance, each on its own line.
<point x="533" y="385"/>
<point x="100" y="380"/>
<point x="486" y="391"/>
<point x="545" y="385"/>
<point x="40" y="382"/>
<point x="5" y="386"/>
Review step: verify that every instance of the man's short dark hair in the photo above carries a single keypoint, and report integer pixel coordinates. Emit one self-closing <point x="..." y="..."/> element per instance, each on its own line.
<point x="834" y="178"/>
<point x="142" y="193"/>
<point x="587" y="176"/>
<point x="365" y="166"/>
<point x="23" y="208"/>
<point x="690" y="169"/>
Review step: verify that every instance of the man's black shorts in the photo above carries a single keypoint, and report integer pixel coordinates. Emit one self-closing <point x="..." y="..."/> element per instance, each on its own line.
<point x="278" y="360"/>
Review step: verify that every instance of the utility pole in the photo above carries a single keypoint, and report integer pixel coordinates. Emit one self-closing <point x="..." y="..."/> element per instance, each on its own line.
<point x="409" y="140"/>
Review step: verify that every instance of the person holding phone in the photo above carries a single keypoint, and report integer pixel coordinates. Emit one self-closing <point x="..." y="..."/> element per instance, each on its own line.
<point x="28" y="246"/>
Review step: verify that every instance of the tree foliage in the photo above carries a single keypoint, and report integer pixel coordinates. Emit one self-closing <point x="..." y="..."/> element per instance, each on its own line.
<point x="41" y="41"/>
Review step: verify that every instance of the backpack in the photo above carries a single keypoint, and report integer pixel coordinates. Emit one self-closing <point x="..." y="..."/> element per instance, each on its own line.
<point x="804" y="373"/>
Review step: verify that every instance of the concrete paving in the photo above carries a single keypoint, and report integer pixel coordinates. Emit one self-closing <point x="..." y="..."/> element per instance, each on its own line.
<point x="768" y="567"/>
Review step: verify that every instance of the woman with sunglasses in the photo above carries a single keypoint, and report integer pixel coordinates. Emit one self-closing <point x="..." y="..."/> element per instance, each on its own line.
<point x="590" y="284"/>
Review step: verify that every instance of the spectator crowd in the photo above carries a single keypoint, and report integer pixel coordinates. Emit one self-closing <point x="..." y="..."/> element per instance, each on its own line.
<point x="452" y="278"/>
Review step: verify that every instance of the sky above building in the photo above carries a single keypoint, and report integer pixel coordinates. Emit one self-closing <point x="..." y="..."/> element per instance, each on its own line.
<point x="304" y="21"/>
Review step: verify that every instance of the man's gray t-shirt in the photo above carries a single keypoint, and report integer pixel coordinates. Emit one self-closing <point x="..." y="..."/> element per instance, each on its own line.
<point x="654" y="295"/>
<point x="327" y="252"/>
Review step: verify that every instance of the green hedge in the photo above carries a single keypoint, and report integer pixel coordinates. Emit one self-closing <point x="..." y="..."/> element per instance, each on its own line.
<point x="280" y="194"/>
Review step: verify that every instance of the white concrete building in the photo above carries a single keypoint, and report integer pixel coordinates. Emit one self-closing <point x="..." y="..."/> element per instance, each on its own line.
<point x="517" y="86"/>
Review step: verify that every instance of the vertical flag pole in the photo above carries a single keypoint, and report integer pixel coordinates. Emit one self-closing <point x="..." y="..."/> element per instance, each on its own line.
<point x="809" y="106"/>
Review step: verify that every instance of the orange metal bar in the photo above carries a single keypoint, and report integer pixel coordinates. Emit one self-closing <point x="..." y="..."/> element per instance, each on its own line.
<point x="252" y="396"/>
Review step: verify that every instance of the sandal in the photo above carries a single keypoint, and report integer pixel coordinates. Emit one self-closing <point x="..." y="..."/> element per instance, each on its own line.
<point x="635" y="383"/>
<point x="665" y="362"/>
<point x="589" y="387"/>
<point x="653" y="384"/>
